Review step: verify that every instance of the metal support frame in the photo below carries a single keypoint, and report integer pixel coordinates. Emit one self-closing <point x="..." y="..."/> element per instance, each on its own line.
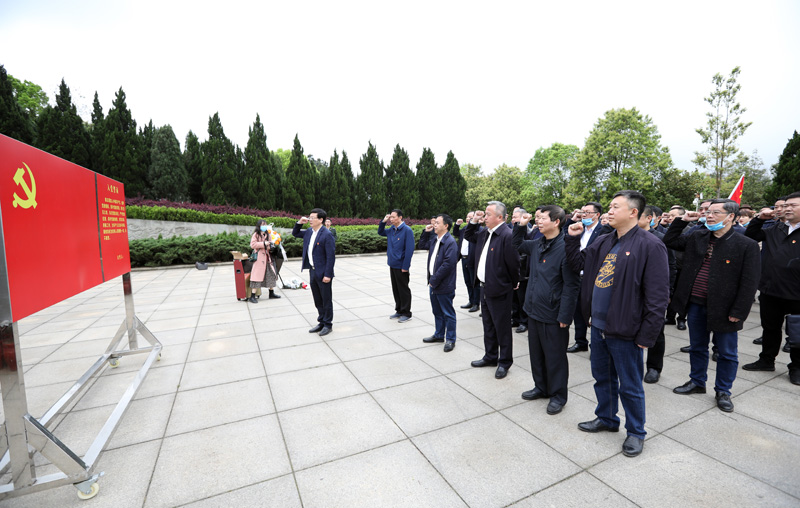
<point x="21" y="435"/>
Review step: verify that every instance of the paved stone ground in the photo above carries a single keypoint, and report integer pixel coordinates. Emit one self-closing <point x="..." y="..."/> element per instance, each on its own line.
<point x="247" y="408"/>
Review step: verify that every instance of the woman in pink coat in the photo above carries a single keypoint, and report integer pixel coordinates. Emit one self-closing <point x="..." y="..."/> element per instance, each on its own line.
<point x="263" y="273"/>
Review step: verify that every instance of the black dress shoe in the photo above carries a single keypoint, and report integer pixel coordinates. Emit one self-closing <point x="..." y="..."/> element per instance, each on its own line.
<point x="681" y="326"/>
<point x="669" y="321"/>
<point x="724" y="402"/>
<point x="501" y="372"/>
<point x="714" y="356"/>
<point x="596" y="425"/>
<point x="467" y="306"/>
<point x="316" y="329"/>
<point x="794" y="376"/>
<point x="483" y="363"/>
<point x="554" y="407"/>
<point x="688" y="388"/>
<point x="522" y="329"/>
<point x="432" y="338"/>
<point x="449" y="345"/>
<point x="324" y="331"/>
<point x="786" y="347"/>
<point x="533" y="394"/>
<point x="575" y="348"/>
<point x="475" y="308"/>
<point x="652" y="376"/>
<point x="686" y="349"/>
<point x="632" y="446"/>
<point x="759" y="340"/>
<point x="760" y="365"/>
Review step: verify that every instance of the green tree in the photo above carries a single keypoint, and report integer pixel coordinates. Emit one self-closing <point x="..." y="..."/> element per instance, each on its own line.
<point x="476" y="187"/>
<point x="277" y="178"/>
<point x="298" y="193"/>
<point x="121" y="157"/>
<point x="454" y="188"/>
<point x="193" y="163"/>
<point x="787" y="171"/>
<point x="61" y="131"/>
<point x="257" y="189"/>
<point x="401" y="184"/>
<point x="623" y="151"/>
<point x="14" y="123"/>
<point x="219" y="162"/>
<point x="147" y="134"/>
<point x="723" y="128"/>
<point x="97" y="134"/>
<point x="349" y="204"/>
<point x="430" y="183"/>
<point x="370" y="185"/>
<point x="30" y="97"/>
<point x="167" y="175"/>
<point x="285" y="157"/>
<point x="547" y="175"/>
<point x="504" y="184"/>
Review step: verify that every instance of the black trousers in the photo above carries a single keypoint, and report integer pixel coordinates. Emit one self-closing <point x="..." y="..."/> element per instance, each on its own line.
<point x="773" y="313"/>
<point x="497" y="341"/>
<point x="401" y="291"/>
<point x="518" y="315"/>
<point x="323" y="299"/>
<point x="473" y="289"/>
<point x="655" y="354"/>
<point x="547" y="344"/>
<point x="580" y="325"/>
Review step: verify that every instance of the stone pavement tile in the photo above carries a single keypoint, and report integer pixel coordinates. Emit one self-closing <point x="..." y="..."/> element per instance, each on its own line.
<point x="124" y="485"/>
<point x="354" y="303"/>
<point x="42" y="398"/>
<point x="220" y="459"/>
<point x="580" y="491"/>
<point x="348" y="329"/>
<point x="430" y="404"/>
<point x="161" y="314"/>
<point x="174" y="323"/>
<point x="217" y="348"/>
<point x="221" y="370"/>
<point x="747" y="445"/>
<point x="772" y="406"/>
<point x="409" y="335"/>
<point x="33" y="355"/>
<point x="63" y="323"/>
<point x="181" y="303"/>
<point x="57" y="372"/>
<point x="292" y="358"/>
<point x="469" y="328"/>
<point x="220" y="404"/>
<point x="286" y="338"/>
<point x="310" y="386"/>
<point x="396" y="475"/>
<point x="343" y="316"/>
<point x="383" y="324"/>
<point x="561" y="432"/>
<point x="233" y="316"/>
<point x="144" y="420"/>
<point x="447" y="363"/>
<point x="580" y="370"/>
<point x="172" y="337"/>
<point x="491" y="462"/>
<point x="34" y="339"/>
<point x="498" y="393"/>
<point x="73" y="350"/>
<point x="685" y="477"/>
<point x="278" y="493"/>
<point x="782" y="383"/>
<point x="364" y="346"/>
<point x="390" y="370"/>
<point x="665" y="409"/>
<point x="280" y="323"/>
<point x="111" y="385"/>
<point x="332" y="430"/>
<point x="98" y="332"/>
<point x="220" y="331"/>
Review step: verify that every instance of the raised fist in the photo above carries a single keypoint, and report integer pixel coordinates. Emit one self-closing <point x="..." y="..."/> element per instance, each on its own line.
<point x="429" y="228"/>
<point x="576" y="215"/>
<point x="575" y="229"/>
<point x="386" y="219"/>
<point x="766" y="213"/>
<point x="525" y="219"/>
<point x="459" y="222"/>
<point x="690" y="216"/>
<point x="303" y="220"/>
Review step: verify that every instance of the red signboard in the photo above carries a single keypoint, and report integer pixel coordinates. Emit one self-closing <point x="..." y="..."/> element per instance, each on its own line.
<point x="52" y="240"/>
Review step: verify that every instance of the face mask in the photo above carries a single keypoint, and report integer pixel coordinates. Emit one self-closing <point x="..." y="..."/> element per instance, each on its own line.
<point x="263" y="228"/>
<point x="587" y="222"/>
<point x="701" y="220"/>
<point x="715" y="227"/>
<point x="653" y="223"/>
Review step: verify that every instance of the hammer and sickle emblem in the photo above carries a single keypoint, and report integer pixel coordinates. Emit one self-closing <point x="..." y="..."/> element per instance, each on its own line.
<point x="30" y="192"/>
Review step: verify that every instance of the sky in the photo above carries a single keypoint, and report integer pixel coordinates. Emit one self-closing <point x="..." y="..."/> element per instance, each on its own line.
<point x="491" y="81"/>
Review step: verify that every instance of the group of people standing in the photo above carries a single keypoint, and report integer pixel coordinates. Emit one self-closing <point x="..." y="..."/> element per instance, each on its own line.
<point x="616" y="281"/>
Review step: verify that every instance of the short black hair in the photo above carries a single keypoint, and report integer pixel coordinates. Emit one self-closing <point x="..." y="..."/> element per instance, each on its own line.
<point x="679" y="208"/>
<point x="635" y="200"/>
<point x="656" y="210"/>
<point x="597" y="206"/>
<point x="555" y="212"/>
<point x="728" y="205"/>
<point x="321" y="215"/>
<point x="782" y="198"/>
<point x="448" y="221"/>
<point x="648" y="210"/>
<point x="792" y="196"/>
<point x="398" y="211"/>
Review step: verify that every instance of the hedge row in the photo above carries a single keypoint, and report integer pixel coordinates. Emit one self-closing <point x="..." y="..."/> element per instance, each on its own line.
<point x="216" y="248"/>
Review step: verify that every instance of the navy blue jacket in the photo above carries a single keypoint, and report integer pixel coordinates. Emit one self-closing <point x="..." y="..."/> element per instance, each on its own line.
<point x="399" y="245"/>
<point x="458" y="232"/>
<point x="324" y="253"/>
<point x="502" y="262"/>
<point x="640" y="292"/>
<point x="780" y="258"/>
<point x="443" y="280"/>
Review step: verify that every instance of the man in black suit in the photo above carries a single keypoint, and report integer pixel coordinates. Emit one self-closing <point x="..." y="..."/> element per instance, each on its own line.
<point x="497" y="271"/>
<point x="466" y="253"/>
<point x="319" y="255"/>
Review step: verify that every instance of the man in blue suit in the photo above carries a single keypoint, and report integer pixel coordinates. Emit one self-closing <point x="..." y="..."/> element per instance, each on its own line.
<point x="442" y="262"/>
<point x="319" y="255"/>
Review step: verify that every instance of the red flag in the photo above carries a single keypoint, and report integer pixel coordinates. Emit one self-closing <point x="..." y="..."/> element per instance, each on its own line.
<point x="736" y="193"/>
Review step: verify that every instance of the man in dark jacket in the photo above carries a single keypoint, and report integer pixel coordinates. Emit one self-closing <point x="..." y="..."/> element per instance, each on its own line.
<point x="319" y="256"/>
<point x="550" y="300"/>
<point x="466" y="251"/>
<point x="625" y="289"/>
<point x="717" y="285"/>
<point x="399" y="249"/>
<point x="519" y="319"/>
<point x="780" y="281"/>
<point x="442" y="262"/>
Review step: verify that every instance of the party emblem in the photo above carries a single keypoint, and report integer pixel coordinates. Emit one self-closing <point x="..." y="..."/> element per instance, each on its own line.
<point x="30" y="192"/>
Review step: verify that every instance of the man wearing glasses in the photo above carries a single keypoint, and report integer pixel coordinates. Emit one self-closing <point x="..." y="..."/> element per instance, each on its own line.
<point x="716" y="288"/>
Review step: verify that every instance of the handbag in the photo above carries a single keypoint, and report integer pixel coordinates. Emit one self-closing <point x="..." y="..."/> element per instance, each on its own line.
<point x="793" y="330"/>
<point x="254" y="255"/>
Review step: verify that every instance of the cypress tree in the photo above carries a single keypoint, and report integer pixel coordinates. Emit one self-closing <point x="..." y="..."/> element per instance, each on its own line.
<point x="121" y="157"/>
<point x="299" y="189"/>
<point x="349" y="189"/>
<point x="429" y="183"/>
<point x="371" y="188"/>
<point x="193" y="163"/>
<point x="14" y="123"/>
<point x="278" y="176"/>
<point x="787" y="171"/>
<point x="97" y="135"/>
<point x="454" y="188"/>
<point x="401" y="184"/>
<point x="258" y="191"/>
<point x="219" y="184"/>
<point x="147" y="135"/>
<point x="167" y="173"/>
<point x="61" y="130"/>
